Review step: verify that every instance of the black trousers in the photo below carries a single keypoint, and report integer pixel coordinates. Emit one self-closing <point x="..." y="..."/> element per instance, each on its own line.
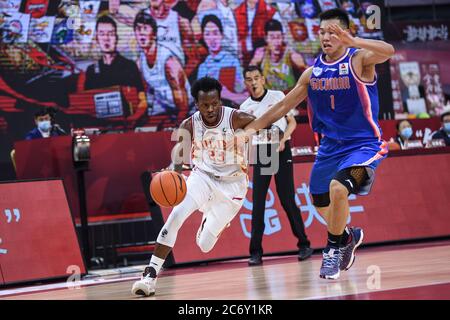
<point x="284" y="181"/>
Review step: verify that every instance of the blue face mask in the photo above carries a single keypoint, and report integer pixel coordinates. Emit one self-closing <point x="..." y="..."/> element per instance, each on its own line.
<point x="447" y="126"/>
<point x="407" y="132"/>
<point x="44" y="125"/>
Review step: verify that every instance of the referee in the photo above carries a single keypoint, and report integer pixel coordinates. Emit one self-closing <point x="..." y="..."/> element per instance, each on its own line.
<point x="259" y="101"/>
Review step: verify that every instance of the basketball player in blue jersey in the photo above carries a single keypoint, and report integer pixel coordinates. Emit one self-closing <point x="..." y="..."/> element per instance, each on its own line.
<point x="343" y="109"/>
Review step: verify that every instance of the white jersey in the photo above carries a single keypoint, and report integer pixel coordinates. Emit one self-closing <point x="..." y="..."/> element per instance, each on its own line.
<point x="258" y="108"/>
<point x="169" y="34"/>
<point x="217" y="150"/>
<point x="159" y="92"/>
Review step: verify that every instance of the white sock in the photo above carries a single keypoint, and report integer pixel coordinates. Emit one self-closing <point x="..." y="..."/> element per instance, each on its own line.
<point x="156" y="263"/>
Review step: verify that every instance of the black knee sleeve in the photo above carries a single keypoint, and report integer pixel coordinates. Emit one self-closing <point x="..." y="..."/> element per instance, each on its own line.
<point x="352" y="178"/>
<point x="321" y="200"/>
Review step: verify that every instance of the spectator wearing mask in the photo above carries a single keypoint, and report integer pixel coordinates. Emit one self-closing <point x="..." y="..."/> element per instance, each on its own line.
<point x="45" y="125"/>
<point x="444" y="131"/>
<point x="404" y="133"/>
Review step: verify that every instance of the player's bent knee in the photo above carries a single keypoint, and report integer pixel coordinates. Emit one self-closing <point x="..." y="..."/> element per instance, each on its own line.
<point x="205" y="246"/>
<point x="168" y="234"/>
<point x="167" y="238"/>
<point x="321" y="200"/>
<point x="174" y="221"/>
<point x="338" y="190"/>
<point x="206" y="241"/>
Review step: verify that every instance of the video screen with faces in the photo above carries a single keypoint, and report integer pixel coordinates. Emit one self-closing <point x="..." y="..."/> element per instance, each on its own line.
<point x="122" y="65"/>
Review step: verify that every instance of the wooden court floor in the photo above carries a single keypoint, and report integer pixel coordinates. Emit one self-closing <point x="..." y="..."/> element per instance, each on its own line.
<point x="391" y="272"/>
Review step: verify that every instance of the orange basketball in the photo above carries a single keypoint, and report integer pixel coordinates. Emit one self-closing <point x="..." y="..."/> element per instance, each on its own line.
<point x="168" y="188"/>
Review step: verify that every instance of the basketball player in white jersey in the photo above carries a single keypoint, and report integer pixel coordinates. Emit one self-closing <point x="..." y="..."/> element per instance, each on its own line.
<point x="218" y="182"/>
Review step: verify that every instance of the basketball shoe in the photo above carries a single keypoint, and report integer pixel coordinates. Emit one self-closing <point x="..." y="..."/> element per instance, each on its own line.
<point x="146" y="286"/>
<point x="330" y="263"/>
<point x="347" y="253"/>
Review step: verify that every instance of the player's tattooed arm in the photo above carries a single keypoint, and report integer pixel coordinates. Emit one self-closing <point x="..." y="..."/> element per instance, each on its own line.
<point x="180" y="152"/>
<point x="280" y="109"/>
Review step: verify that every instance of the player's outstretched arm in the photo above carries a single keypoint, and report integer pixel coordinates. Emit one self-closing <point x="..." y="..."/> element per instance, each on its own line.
<point x="279" y="110"/>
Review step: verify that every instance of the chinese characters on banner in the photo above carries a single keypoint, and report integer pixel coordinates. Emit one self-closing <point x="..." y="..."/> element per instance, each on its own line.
<point x="418" y="86"/>
<point x="431" y="80"/>
<point x="417" y="89"/>
<point x="395" y="84"/>
<point x="425" y="33"/>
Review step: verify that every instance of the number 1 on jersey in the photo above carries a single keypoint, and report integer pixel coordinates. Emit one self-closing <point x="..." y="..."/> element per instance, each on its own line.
<point x="332" y="101"/>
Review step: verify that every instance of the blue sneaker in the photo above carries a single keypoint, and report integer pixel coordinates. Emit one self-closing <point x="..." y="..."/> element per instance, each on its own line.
<point x="348" y="252"/>
<point x="330" y="264"/>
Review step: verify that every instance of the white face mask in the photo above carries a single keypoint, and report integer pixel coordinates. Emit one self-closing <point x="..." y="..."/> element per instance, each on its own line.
<point x="44" y="125"/>
<point x="447" y="126"/>
<point x="407" y="132"/>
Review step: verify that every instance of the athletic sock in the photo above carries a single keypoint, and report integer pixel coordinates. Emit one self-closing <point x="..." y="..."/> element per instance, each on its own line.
<point x="155" y="264"/>
<point x="346" y="237"/>
<point x="333" y="240"/>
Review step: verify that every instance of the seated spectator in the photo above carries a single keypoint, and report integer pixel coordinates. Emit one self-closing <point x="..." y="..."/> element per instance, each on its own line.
<point x="444" y="131"/>
<point x="45" y="125"/>
<point x="404" y="133"/>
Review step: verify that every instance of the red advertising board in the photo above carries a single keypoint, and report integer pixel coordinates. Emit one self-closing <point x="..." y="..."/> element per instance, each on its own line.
<point x="408" y="201"/>
<point x="117" y="161"/>
<point x="38" y="238"/>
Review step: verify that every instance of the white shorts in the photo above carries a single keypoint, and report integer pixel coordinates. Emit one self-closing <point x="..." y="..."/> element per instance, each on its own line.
<point x="219" y="200"/>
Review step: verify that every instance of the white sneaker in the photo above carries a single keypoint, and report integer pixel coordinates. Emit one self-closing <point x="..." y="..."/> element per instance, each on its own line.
<point x="146" y="286"/>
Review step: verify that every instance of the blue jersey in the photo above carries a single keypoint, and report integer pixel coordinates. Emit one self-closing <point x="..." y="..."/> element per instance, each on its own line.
<point x="340" y="105"/>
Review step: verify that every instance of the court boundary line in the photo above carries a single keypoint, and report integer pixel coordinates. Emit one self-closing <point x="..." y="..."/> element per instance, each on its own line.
<point x="101" y="280"/>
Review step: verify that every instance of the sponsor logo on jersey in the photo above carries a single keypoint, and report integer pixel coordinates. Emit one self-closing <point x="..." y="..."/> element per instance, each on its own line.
<point x="334" y="83"/>
<point x="343" y="69"/>
<point x="317" y="71"/>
